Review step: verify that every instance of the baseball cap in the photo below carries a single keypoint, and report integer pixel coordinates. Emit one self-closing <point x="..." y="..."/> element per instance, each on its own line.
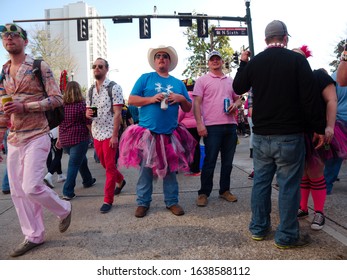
<point x="213" y="53"/>
<point x="276" y="28"/>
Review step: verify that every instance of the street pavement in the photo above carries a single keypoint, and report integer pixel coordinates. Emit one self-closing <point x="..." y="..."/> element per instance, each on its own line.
<point x="216" y="232"/>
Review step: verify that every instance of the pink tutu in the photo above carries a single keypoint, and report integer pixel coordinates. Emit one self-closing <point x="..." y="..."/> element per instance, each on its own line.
<point x="336" y="149"/>
<point x="163" y="153"/>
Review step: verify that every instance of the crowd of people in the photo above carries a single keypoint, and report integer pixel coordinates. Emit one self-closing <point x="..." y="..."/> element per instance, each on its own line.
<point x="161" y="129"/>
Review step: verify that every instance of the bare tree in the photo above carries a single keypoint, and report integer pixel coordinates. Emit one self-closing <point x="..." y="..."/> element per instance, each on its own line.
<point x="52" y="50"/>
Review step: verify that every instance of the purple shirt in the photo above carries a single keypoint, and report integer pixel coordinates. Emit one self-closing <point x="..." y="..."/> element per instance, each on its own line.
<point x="73" y="129"/>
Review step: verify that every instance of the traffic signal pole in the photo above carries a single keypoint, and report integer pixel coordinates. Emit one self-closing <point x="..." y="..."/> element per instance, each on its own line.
<point x="203" y="18"/>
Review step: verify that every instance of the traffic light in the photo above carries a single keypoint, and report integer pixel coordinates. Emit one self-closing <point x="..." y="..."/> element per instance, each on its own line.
<point x="82" y="29"/>
<point x="202" y="27"/>
<point x="122" y="20"/>
<point x="185" y="21"/>
<point x="236" y="58"/>
<point x="145" y="27"/>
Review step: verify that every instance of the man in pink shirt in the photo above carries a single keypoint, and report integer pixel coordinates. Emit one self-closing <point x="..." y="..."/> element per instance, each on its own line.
<point x="216" y="126"/>
<point x="28" y="141"/>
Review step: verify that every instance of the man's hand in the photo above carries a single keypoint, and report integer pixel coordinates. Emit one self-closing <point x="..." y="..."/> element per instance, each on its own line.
<point x="113" y="142"/>
<point x="89" y="113"/>
<point x="13" y="107"/>
<point x="319" y="138"/>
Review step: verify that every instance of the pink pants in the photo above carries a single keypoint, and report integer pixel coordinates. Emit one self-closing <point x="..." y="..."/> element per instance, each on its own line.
<point x="107" y="157"/>
<point x="26" y="166"/>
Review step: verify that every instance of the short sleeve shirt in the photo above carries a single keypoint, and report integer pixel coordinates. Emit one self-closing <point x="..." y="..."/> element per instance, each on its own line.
<point x="102" y="126"/>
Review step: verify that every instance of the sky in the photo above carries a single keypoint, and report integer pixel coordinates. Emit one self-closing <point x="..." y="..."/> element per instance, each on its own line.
<point x="318" y="24"/>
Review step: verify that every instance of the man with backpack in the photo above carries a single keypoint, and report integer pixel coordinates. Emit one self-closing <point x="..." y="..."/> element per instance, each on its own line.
<point x="107" y="97"/>
<point x="28" y="140"/>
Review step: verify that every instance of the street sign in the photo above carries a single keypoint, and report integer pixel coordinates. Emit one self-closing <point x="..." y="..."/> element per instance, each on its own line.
<point x="230" y="31"/>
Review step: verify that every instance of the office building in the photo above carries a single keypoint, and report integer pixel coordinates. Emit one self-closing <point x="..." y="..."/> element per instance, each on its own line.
<point x="83" y="53"/>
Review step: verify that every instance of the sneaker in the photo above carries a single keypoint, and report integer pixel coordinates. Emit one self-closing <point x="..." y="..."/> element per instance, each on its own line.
<point x="24" y="247"/>
<point x="119" y="189"/>
<point x="192" y="174"/>
<point x="48" y="180"/>
<point x="302" y="214"/>
<point x="303" y="241"/>
<point x="65" y="223"/>
<point x="66" y="197"/>
<point x="202" y="200"/>
<point x="261" y="237"/>
<point x="318" y="221"/>
<point x="228" y="196"/>
<point x="61" y="178"/>
<point x="250" y="176"/>
<point x="92" y="184"/>
<point x="105" y="208"/>
<point x="6" y="192"/>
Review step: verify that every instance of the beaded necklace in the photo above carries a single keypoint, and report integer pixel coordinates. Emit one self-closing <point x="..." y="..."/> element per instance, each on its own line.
<point x="276" y="45"/>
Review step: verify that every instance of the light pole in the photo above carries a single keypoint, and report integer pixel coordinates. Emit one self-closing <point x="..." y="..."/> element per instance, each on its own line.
<point x="249" y="25"/>
<point x="72" y="74"/>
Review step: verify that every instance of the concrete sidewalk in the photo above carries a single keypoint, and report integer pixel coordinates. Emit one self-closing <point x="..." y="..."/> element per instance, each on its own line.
<point x="216" y="232"/>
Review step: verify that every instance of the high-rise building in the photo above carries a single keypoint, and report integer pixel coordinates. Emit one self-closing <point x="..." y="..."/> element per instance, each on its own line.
<point x="83" y="53"/>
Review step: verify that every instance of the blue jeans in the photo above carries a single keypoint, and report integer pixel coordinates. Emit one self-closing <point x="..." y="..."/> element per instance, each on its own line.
<point x="77" y="162"/>
<point x="331" y="171"/>
<point x="144" y="188"/>
<point x="283" y="155"/>
<point x="220" y="138"/>
<point x="5" y="183"/>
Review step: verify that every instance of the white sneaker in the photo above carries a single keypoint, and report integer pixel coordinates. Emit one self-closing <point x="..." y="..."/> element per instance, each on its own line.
<point x="48" y="180"/>
<point x="61" y="178"/>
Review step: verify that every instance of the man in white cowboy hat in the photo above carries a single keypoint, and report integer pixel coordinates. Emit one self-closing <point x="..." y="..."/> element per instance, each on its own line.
<point x="157" y="144"/>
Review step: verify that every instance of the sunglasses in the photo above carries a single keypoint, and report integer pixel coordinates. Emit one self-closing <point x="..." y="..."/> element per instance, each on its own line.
<point x="13" y="35"/>
<point x="164" y="56"/>
<point x="98" y="66"/>
<point x="12" y="31"/>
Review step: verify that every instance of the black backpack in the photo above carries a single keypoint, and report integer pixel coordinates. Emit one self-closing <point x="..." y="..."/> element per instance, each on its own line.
<point x="54" y="116"/>
<point x="109" y="90"/>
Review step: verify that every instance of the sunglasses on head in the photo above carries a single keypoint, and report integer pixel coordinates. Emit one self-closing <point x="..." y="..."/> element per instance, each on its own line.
<point x="164" y="56"/>
<point x="11" y="31"/>
<point x="99" y="66"/>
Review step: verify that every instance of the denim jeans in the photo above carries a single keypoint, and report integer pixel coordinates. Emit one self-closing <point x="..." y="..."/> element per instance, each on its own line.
<point x="223" y="139"/>
<point x="144" y="188"/>
<point x="331" y="171"/>
<point x="5" y="183"/>
<point x="77" y="162"/>
<point x="283" y="155"/>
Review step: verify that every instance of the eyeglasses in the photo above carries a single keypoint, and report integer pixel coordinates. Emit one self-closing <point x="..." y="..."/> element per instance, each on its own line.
<point x="13" y="35"/>
<point x="164" y="56"/>
<point x="98" y="66"/>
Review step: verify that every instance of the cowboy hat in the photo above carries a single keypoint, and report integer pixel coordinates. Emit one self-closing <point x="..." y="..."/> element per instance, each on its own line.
<point x="167" y="49"/>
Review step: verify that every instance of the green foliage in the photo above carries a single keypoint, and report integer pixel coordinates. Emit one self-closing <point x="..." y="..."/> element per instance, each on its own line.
<point x="200" y="47"/>
<point x="338" y="50"/>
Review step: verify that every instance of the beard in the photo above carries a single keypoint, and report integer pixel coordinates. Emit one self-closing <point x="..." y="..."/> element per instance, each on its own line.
<point x="98" y="76"/>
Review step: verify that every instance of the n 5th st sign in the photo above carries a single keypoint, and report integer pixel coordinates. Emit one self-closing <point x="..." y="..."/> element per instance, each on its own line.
<point x="230" y="31"/>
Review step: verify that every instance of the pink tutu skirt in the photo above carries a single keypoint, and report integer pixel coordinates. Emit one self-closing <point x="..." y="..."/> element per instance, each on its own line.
<point x="336" y="149"/>
<point x="163" y="153"/>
